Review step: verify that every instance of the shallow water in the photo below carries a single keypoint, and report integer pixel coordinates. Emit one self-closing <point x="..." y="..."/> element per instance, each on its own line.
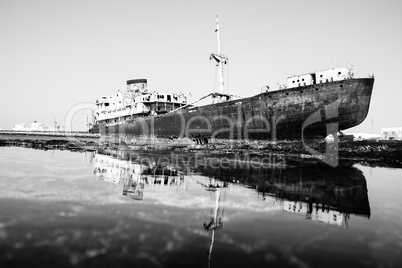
<point x="166" y="209"/>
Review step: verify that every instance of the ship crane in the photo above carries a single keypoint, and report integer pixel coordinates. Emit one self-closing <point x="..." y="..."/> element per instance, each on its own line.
<point x="56" y="125"/>
<point x="220" y="60"/>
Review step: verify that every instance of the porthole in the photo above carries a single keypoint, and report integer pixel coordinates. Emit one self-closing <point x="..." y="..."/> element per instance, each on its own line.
<point x="287" y="93"/>
<point x="316" y="89"/>
<point x="341" y="86"/>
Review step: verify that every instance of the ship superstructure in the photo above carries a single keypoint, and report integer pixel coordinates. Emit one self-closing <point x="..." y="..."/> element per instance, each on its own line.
<point x="320" y="77"/>
<point x="135" y="102"/>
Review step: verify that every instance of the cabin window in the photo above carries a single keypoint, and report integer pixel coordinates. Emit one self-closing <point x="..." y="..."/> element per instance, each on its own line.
<point x="339" y="73"/>
<point x="106" y="104"/>
<point x="321" y="75"/>
<point x="297" y="80"/>
<point x="303" y="79"/>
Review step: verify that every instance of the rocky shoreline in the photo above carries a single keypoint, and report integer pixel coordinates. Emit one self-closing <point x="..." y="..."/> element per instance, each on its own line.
<point x="373" y="153"/>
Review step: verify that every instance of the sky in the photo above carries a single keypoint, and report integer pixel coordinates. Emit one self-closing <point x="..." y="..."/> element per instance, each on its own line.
<point x="55" y="55"/>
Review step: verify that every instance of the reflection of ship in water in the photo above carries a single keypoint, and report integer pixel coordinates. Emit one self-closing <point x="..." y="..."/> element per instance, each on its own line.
<point x="215" y="222"/>
<point x="134" y="175"/>
<point x="321" y="193"/>
<point x="317" y="212"/>
<point x="133" y="189"/>
<point x="314" y="191"/>
<point x="135" y="170"/>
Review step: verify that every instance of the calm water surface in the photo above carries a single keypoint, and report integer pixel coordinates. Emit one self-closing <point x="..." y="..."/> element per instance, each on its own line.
<point x="164" y="209"/>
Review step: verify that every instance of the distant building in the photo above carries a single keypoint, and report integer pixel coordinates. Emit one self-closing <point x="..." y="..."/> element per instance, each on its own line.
<point x="35" y="126"/>
<point x="391" y="133"/>
<point x="353" y="137"/>
<point x="365" y="136"/>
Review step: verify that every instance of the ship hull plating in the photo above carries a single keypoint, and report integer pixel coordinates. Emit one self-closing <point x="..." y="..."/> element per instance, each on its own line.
<point x="312" y="111"/>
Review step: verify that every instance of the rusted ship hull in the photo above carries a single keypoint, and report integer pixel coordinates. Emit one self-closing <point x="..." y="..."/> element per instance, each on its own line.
<point x="303" y="112"/>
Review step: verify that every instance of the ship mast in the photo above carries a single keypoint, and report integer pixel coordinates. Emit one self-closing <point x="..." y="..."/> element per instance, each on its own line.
<point x="221" y="82"/>
<point x="220" y="59"/>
